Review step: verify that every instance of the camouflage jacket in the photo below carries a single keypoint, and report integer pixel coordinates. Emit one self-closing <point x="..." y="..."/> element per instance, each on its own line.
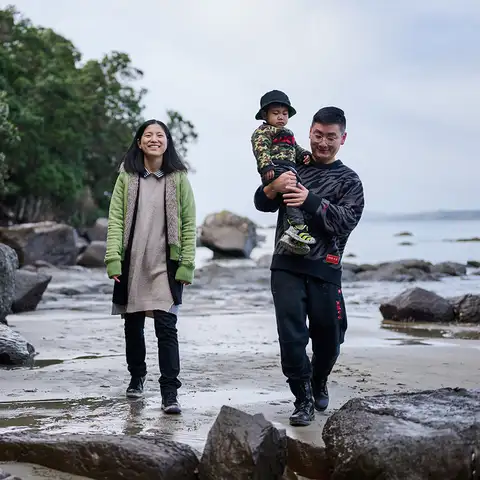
<point x="271" y="144"/>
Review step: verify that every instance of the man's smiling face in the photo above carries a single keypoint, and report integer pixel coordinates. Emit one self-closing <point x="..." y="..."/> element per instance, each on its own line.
<point x="325" y="141"/>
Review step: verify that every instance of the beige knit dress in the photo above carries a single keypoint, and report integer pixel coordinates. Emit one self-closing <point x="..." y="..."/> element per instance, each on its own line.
<point x="148" y="287"/>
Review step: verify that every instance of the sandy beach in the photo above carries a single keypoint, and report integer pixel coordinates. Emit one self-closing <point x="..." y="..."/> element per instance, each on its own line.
<point x="79" y="378"/>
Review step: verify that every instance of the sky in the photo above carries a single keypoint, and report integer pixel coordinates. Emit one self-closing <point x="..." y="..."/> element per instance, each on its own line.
<point x="407" y="75"/>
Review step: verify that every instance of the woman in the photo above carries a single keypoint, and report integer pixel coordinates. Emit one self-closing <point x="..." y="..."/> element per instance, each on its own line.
<point x="150" y="253"/>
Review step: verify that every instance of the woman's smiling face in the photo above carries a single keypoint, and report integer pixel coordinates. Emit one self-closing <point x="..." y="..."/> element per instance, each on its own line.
<point x="153" y="142"/>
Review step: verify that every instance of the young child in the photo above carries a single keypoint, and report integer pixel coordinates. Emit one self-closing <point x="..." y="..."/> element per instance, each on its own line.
<point x="276" y="152"/>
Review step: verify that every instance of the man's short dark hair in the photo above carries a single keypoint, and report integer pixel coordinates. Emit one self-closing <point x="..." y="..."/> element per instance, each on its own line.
<point x="331" y="116"/>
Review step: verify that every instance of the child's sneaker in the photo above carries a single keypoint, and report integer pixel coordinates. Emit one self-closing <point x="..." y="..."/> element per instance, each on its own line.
<point x="292" y="246"/>
<point x="300" y="234"/>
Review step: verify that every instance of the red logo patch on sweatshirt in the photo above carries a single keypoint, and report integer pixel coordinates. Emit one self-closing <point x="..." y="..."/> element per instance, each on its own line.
<point x="288" y="139"/>
<point x="332" y="259"/>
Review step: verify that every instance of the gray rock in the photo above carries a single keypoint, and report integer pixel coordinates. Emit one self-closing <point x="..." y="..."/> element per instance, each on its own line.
<point x="98" y="232"/>
<point x="229" y="235"/>
<point x="81" y="244"/>
<point x="396" y="272"/>
<point x="29" y="289"/>
<point x="106" y="457"/>
<point x="94" y="255"/>
<point x="307" y="459"/>
<point x="467" y="308"/>
<point x="348" y="276"/>
<point x="218" y="276"/>
<point x="241" y="446"/>
<point x="6" y="476"/>
<point x="412" y="436"/>
<point x="451" y="269"/>
<point x="418" y="305"/>
<point x="49" y="241"/>
<point x="413" y="263"/>
<point x="8" y="266"/>
<point x="14" y="349"/>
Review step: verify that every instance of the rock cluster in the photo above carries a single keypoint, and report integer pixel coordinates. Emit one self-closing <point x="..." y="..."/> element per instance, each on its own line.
<point x="420" y="305"/>
<point x="408" y="436"/>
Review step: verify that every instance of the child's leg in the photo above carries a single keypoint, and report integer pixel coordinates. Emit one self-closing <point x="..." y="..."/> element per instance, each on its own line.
<point x="298" y="230"/>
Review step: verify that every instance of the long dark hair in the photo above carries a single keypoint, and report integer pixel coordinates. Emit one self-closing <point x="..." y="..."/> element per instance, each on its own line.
<point x="133" y="159"/>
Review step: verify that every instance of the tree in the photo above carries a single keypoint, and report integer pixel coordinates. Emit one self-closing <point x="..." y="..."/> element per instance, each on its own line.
<point x="75" y="120"/>
<point x="183" y="133"/>
<point x="8" y="137"/>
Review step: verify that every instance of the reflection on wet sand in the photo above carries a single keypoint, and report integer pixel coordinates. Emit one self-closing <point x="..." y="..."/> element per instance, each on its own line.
<point x="455" y="331"/>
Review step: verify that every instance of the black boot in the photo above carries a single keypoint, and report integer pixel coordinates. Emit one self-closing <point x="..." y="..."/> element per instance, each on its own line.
<point x="304" y="412"/>
<point x="135" y="388"/>
<point x="320" y="394"/>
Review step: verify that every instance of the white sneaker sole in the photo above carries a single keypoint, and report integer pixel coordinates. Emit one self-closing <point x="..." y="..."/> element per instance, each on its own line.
<point x="177" y="410"/>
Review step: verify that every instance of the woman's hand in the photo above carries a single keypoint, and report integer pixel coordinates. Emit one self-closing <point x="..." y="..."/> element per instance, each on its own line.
<point x="115" y="277"/>
<point x="183" y="282"/>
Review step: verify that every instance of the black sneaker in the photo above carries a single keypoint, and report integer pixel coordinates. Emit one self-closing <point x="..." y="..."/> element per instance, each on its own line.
<point x="135" y="388"/>
<point x="320" y="394"/>
<point x="170" y="404"/>
<point x="304" y="412"/>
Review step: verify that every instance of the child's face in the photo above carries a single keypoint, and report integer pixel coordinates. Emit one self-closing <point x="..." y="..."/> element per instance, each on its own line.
<point x="277" y="115"/>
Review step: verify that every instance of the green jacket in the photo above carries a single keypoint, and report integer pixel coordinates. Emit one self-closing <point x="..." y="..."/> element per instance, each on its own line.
<point x="180" y="222"/>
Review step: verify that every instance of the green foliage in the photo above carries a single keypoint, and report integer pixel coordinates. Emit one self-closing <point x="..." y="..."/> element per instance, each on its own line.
<point x="183" y="133"/>
<point x="8" y="138"/>
<point x="64" y="124"/>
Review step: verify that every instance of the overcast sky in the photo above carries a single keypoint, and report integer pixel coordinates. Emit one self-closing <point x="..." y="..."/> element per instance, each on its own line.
<point x="406" y="73"/>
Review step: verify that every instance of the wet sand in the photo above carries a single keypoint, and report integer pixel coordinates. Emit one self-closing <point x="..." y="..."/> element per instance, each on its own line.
<point x="79" y="378"/>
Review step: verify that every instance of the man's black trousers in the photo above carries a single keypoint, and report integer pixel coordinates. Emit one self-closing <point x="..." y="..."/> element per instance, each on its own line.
<point x="296" y="297"/>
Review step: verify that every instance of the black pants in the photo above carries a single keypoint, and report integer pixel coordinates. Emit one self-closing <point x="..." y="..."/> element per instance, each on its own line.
<point x="293" y="214"/>
<point x="168" y="354"/>
<point x="297" y="297"/>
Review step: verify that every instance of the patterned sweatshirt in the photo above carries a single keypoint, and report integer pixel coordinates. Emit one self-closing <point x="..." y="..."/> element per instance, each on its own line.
<point x="332" y="210"/>
<point x="273" y="144"/>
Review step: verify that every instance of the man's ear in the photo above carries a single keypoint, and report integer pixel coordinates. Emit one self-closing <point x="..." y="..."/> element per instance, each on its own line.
<point x="344" y="137"/>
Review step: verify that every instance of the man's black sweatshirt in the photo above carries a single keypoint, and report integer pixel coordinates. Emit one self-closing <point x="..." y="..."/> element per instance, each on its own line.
<point x="332" y="210"/>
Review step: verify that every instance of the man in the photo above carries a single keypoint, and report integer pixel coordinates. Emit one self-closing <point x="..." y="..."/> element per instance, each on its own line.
<point x="331" y="197"/>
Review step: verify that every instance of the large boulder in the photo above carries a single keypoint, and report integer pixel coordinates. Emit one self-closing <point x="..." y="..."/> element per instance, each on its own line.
<point x="14" y="349"/>
<point x="467" y="308"/>
<point x="48" y="241"/>
<point x="229" y="235"/>
<point x="412" y="436"/>
<point x="29" y="289"/>
<point x="94" y="255"/>
<point x="418" y="305"/>
<point x="241" y="446"/>
<point x="98" y="232"/>
<point x="8" y="266"/>
<point x="106" y="457"/>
